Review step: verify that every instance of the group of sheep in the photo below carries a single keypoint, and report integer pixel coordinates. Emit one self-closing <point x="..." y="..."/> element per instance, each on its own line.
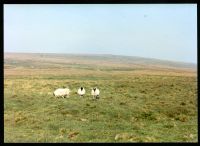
<point x="64" y="92"/>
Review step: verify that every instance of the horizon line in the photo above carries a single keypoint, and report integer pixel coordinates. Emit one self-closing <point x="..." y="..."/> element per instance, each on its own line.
<point x="102" y="54"/>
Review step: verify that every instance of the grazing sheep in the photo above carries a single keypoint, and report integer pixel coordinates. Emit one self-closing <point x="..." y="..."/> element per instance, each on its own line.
<point x="81" y="91"/>
<point x="61" y="92"/>
<point x="95" y="93"/>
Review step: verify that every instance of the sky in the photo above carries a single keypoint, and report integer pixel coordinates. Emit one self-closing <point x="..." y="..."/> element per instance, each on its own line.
<point x="161" y="31"/>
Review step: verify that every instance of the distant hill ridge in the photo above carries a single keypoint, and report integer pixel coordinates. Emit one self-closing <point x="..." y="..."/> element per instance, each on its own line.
<point x="99" y="58"/>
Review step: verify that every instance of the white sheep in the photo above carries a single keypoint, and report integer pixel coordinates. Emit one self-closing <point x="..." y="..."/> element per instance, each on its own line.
<point x="61" y="92"/>
<point x="95" y="92"/>
<point x="81" y="91"/>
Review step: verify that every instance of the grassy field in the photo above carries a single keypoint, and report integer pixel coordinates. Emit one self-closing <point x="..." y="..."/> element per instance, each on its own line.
<point x="139" y="102"/>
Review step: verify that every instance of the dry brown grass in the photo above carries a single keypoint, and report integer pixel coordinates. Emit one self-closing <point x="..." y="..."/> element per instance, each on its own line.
<point x="71" y="71"/>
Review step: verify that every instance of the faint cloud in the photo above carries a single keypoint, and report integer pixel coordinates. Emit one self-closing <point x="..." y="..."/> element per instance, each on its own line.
<point x="145" y="15"/>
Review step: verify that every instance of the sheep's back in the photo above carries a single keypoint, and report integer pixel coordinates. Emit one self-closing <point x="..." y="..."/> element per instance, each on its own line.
<point x="60" y="92"/>
<point x="95" y="93"/>
<point x="81" y="92"/>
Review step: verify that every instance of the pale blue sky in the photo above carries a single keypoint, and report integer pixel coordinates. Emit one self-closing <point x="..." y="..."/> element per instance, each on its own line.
<point x="162" y="31"/>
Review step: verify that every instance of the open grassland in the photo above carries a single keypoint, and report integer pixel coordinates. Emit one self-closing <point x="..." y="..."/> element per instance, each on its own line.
<point x="137" y="103"/>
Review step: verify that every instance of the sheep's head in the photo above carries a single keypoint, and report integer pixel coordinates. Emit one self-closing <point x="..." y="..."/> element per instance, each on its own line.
<point x="68" y="89"/>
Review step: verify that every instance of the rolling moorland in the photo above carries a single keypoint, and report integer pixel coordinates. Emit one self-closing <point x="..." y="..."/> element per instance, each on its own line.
<point x="141" y="100"/>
